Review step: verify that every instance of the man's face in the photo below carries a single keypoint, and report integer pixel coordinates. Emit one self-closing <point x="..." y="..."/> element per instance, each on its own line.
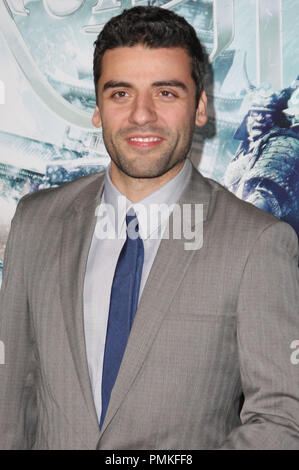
<point x="146" y="107"/>
<point x="258" y="123"/>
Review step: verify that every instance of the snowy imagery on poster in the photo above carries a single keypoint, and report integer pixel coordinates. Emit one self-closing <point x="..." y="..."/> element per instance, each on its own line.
<point x="250" y="143"/>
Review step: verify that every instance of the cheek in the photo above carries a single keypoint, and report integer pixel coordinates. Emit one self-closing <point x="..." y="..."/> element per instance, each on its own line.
<point x="112" y="122"/>
<point x="112" y="113"/>
<point x="178" y="119"/>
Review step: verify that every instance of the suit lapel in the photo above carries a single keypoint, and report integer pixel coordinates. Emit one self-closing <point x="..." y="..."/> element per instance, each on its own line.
<point x="164" y="280"/>
<point x="78" y="228"/>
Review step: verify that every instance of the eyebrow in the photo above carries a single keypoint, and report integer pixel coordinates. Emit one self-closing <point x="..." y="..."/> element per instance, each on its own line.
<point x="115" y="84"/>
<point x="171" y="83"/>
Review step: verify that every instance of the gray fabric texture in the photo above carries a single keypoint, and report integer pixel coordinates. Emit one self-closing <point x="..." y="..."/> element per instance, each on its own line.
<point x="213" y="324"/>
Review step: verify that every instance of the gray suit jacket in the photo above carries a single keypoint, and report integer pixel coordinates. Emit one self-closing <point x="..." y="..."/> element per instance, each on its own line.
<point x="212" y="325"/>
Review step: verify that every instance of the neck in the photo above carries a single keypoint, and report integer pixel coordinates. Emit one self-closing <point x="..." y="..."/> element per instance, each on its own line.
<point x="136" y="189"/>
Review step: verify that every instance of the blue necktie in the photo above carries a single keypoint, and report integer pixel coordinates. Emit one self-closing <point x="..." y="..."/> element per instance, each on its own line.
<point x="123" y="306"/>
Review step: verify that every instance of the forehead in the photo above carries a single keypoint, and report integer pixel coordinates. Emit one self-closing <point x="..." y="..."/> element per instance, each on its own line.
<point x="142" y="63"/>
<point x="255" y="112"/>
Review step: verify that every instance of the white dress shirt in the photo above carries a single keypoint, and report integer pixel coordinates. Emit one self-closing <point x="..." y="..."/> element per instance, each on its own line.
<point x="103" y="256"/>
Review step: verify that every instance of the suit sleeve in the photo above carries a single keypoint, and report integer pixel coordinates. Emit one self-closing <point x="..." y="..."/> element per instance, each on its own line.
<point x="267" y="325"/>
<point x="18" y="366"/>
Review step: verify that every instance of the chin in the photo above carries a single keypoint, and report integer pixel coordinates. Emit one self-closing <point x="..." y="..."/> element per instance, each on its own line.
<point x="143" y="173"/>
<point x="143" y="167"/>
<point x="255" y="134"/>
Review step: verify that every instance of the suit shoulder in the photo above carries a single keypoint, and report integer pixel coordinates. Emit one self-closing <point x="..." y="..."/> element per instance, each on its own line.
<point x="57" y="201"/>
<point x="245" y="224"/>
<point x="244" y="211"/>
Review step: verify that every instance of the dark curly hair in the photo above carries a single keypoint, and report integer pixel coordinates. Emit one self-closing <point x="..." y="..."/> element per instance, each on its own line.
<point x="152" y="27"/>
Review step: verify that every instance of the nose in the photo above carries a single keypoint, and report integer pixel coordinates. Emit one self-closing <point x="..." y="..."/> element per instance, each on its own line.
<point x="260" y="117"/>
<point x="143" y="110"/>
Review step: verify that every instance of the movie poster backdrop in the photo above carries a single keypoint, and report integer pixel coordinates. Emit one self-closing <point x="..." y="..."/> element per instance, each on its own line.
<point x="250" y="143"/>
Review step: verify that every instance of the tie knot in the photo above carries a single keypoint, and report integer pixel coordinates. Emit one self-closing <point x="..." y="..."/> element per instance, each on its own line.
<point x="131" y="217"/>
<point x="132" y="225"/>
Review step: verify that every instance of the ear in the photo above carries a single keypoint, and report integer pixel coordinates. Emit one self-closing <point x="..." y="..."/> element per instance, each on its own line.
<point x="201" y="110"/>
<point x="96" y="118"/>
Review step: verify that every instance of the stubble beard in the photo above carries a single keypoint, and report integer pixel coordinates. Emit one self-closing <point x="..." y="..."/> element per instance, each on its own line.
<point x="143" y="165"/>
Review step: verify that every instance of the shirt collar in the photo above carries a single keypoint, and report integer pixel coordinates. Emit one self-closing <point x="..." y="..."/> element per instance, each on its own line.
<point x="149" y="208"/>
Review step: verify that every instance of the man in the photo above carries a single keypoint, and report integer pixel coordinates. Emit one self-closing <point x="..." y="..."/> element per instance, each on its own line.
<point x="207" y="361"/>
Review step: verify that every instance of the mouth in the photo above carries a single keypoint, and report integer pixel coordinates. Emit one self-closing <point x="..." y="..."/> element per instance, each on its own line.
<point x="145" y="142"/>
<point x="256" y="129"/>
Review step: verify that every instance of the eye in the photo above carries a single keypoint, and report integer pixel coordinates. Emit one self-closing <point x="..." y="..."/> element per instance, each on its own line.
<point x="167" y="94"/>
<point x="119" y="94"/>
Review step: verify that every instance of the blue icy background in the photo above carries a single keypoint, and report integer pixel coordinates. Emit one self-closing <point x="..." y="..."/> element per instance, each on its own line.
<point x="38" y="149"/>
